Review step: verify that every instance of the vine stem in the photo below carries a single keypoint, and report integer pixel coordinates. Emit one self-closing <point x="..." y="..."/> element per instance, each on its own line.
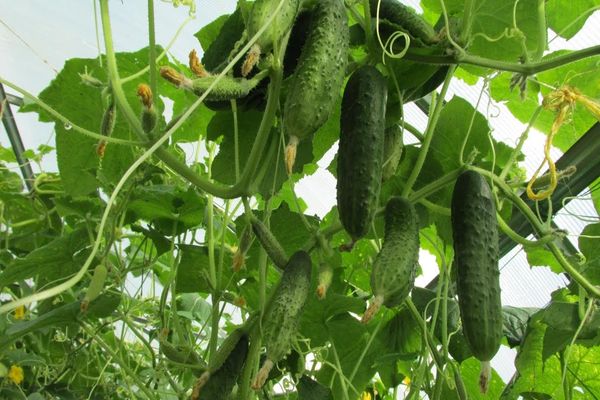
<point x="366" y="349"/>
<point x="132" y="374"/>
<point x="539" y="229"/>
<point x="515" y="153"/>
<point x="432" y="123"/>
<point x="152" y="52"/>
<point x="529" y="68"/>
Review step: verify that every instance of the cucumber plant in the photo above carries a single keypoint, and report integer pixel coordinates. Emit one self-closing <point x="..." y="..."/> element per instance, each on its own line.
<point x="166" y="165"/>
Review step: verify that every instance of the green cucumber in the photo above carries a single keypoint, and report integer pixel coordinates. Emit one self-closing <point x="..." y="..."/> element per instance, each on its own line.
<point x="280" y="322"/>
<point x="360" y="155"/>
<point x="269" y="243"/>
<point x="319" y="76"/>
<point x="394" y="269"/>
<point x="95" y="287"/>
<point x="475" y="235"/>
<point x="392" y="151"/>
<point x="260" y="13"/>
<point x="223" y="379"/>
<point x="405" y="19"/>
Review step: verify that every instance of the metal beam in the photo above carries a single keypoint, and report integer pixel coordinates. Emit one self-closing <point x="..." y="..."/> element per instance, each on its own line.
<point x="14" y="137"/>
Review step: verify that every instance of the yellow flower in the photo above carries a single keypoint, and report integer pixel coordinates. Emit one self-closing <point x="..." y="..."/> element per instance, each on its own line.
<point x="365" y="396"/>
<point x="406" y="381"/>
<point x="19" y="312"/>
<point x="15" y="374"/>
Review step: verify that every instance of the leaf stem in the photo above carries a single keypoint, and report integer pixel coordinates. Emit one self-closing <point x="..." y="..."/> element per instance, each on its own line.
<point x="152" y="52"/>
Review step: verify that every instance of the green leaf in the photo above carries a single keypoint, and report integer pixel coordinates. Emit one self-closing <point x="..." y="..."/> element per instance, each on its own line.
<point x="469" y="371"/>
<point x="209" y="32"/>
<point x="494" y="19"/>
<point x="538" y="256"/>
<point x="589" y="245"/>
<point x="515" y="323"/>
<point x="452" y="6"/>
<point x="7" y="155"/>
<point x="535" y="375"/>
<point x="168" y="207"/>
<point x="451" y="129"/>
<point x="193" y="274"/>
<point x="56" y="260"/>
<point x="349" y="339"/>
<point x="566" y="18"/>
<point x="313" y="324"/>
<point x="309" y="389"/>
<point x="62" y="315"/>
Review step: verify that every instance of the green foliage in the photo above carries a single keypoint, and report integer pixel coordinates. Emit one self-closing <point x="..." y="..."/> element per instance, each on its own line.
<point x="172" y="307"/>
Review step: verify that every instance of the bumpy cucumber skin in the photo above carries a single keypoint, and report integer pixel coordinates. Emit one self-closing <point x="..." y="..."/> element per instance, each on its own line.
<point x="280" y="322"/>
<point x="360" y="155"/>
<point x="281" y="24"/>
<point x="394" y="270"/>
<point x="224" y="379"/>
<point x="475" y="235"/>
<point x="406" y="18"/>
<point x="319" y="76"/>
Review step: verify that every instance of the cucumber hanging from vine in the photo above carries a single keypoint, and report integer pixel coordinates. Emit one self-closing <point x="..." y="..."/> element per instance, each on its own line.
<point x="319" y="76"/>
<point x="280" y="25"/>
<point x="394" y="269"/>
<point x="476" y="249"/>
<point x="280" y="322"/>
<point x="360" y="155"/>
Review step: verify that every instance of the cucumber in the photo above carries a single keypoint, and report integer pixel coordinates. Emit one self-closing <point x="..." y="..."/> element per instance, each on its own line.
<point x="394" y="269"/>
<point x="227" y="88"/>
<point x="392" y="151"/>
<point x="95" y="287"/>
<point x="270" y="244"/>
<point x="223" y="379"/>
<point x="405" y="19"/>
<point x="475" y="236"/>
<point x="281" y="24"/>
<point x="280" y="322"/>
<point x="360" y="155"/>
<point x="319" y="76"/>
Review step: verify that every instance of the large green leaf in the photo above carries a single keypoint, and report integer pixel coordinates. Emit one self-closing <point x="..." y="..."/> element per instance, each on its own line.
<point x="566" y="17"/>
<point x="494" y="20"/>
<point x="56" y="260"/>
<point x="515" y="323"/>
<point x="172" y="209"/>
<point x="193" y="272"/>
<point x="349" y="340"/>
<point x="589" y="245"/>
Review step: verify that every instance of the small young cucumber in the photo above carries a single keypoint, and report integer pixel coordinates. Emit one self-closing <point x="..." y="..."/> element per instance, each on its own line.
<point x="392" y="151"/>
<point x="394" y="270"/>
<point x="281" y="24"/>
<point x="475" y="235"/>
<point x="227" y="88"/>
<point x="319" y="76"/>
<point x="95" y="287"/>
<point x="269" y="243"/>
<point x="280" y="322"/>
<point x="360" y="155"/>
